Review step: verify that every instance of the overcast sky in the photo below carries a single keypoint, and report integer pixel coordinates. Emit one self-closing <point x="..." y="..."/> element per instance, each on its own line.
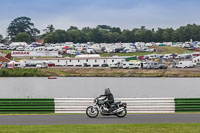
<point x="125" y="14"/>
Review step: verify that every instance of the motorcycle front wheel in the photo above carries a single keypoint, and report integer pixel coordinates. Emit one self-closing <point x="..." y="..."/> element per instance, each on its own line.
<point x="92" y="112"/>
<point x="122" y="113"/>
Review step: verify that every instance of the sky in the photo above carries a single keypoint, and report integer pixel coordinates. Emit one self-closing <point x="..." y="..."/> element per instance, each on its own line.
<point x="126" y="14"/>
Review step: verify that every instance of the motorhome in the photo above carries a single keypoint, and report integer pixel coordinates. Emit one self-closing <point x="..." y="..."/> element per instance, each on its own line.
<point x="126" y="65"/>
<point x="185" y="64"/>
<point x="28" y="48"/>
<point x="39" y="49"/>
<point x="131" y="65"/>
<point x="153" y="56"/>
<point x="184" y="56"/>
<point x="18" y="44"/>
<point x="152" y="65"/>
<point x="51" y="49"/>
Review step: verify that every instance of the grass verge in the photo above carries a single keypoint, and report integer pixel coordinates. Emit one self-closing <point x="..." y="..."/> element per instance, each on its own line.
<point x="98" y="72"/>
<point x="21" y="73"/>
<point x="5" y="51"/>
<point x="125" y="128"/>
<point x="159" y="50"/>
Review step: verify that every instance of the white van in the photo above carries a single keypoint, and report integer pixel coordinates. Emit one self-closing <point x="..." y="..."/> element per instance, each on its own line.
<point x="137" y="65"/>
<point x="131" y="65"/>
<point x="185" y="64"/>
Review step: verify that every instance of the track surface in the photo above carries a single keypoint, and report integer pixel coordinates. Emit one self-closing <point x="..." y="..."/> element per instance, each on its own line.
<point x="83" y="119"/>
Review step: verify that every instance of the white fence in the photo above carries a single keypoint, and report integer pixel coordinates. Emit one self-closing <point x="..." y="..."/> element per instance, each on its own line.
<point x="134" y="105"/>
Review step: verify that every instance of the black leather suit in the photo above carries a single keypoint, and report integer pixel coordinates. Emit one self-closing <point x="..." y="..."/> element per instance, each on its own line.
<point x="109" y="99"/>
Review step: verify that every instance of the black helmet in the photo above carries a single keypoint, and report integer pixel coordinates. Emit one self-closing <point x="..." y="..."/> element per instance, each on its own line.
<point x="107" y="91"/>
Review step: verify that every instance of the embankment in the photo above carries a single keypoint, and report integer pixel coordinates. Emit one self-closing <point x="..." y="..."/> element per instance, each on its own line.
<point x="98" y="72"/>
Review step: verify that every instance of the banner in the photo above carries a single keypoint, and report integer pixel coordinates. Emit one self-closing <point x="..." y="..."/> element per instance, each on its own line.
<point x="34" y="53"/>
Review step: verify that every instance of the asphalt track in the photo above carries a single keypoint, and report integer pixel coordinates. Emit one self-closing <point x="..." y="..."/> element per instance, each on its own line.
<point x="83" y="119"/>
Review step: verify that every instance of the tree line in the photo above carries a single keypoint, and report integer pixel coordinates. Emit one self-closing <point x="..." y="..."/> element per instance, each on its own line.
<point x="22" y="29"/>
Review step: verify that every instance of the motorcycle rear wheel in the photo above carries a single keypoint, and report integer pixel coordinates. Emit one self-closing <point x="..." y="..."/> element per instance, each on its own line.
<point x="122" y="114"/>
<point x="92" y="112"/>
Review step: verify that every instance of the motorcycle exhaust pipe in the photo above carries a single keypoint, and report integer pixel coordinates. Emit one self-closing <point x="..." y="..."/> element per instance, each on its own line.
<point x="119" y="110"/>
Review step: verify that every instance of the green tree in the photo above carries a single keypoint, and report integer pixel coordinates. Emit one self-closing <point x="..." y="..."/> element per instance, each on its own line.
<point x="74" y="36"/>
<point x="158" y="35"/>
<point x="116" y="29"/>
<point x="22" y="37"/>
<point x="49" y="29"/>
<point x="20" y="25"/>
<point x="105" y="33"/>
<point x="72" y="28"/>
<point x="1" y="38"/>
<point x="167" y="35"/>
<point x="104" y="27"/>
<point x="59" y="36"/>
<point x="128" y="36"/>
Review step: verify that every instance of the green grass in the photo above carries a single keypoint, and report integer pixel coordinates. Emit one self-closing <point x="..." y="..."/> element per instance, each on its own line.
<point x="126" y="54"/>
<point x="20" y="73"/>
<point x="171" y="50"/>
<point x="159" y="50"/>
<point x="128" y="128"/>
<point x="5" y="51"/>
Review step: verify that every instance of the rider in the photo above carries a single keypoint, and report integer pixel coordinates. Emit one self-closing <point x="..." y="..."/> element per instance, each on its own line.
<point x="109" y="98"/>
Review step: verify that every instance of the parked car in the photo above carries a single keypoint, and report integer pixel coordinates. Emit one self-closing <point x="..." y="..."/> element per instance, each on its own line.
<point x="162" y="66"/>
<point x="20" y="48"/>
<point x="104" y="65"/>
<point x="114" y="65"/>
<point x="86" y="65"/>
<point x="3" y="65"/>
<point x="13" y="48"/>
<point x="4" y="47"/>
<point x="42" y="65"/>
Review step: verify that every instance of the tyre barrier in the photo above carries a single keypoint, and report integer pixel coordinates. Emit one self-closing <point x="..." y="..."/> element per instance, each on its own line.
<point x="79" y="105"/>
<point x="134" y="105"/>
<point x="187" y="104"/>
<point x="26" y="105"/>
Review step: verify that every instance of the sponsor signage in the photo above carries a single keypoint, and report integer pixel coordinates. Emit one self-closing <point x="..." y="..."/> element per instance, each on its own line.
<point x="33" y="53"/>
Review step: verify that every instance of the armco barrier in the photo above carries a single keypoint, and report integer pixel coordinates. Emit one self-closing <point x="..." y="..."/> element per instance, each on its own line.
<point x="187" y="104"/>
<point x="135" y="105"/>
<point x="27" y="105"/>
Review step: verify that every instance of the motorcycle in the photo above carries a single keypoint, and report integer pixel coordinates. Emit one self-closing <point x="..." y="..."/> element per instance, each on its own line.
<point x="118" y="109"/>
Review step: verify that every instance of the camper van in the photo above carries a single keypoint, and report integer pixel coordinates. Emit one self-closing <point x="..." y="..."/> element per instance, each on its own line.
<point x="185" y="64"/>
<point x="39" y="49"/>
<point x="168" y="56"/>
<point x="131" y="65"/>
<point x="127" y="65"/>
<point x="153" y="65"/>
<point x="150" y="65"/>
